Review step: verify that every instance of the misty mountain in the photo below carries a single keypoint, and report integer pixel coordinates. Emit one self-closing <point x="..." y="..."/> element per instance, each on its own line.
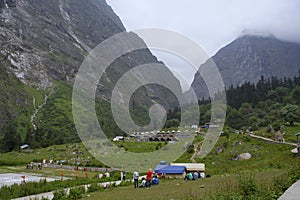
<point x="249" y="57"/>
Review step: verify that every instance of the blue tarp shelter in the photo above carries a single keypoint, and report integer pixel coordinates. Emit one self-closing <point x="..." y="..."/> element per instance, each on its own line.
<point x="167" y="169"/>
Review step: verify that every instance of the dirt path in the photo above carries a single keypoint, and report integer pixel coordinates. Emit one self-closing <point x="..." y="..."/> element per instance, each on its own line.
<point x="196" y="152"/>
<point x="270" y="140"/>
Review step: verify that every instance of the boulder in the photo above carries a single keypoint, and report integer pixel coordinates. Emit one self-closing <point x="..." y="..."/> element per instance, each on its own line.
<point x="244" y="156"/>
<point x="219" y="150"/>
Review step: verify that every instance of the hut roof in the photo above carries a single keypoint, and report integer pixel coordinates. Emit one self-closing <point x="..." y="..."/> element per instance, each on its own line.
<point x="191" y="166"/>
<point x="168" y="169"/>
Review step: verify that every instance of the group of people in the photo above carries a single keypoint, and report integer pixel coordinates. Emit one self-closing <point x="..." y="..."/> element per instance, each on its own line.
<point x="30" y="166"/>
<point x="151" y="179"/>
<point x="194" y="176"/>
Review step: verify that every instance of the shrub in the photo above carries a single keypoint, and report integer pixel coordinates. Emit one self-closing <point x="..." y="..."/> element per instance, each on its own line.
<point x="248" y="186"/>
<point x="228" y="196"/>
<point x="190" y="150"/>
<point x="93" y="187"/>
<point x="60" y="195"/>
<point x="76" y="193"/>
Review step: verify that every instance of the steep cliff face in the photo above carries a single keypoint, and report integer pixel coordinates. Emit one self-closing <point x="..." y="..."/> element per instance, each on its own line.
<point x="8" y="3"/>
<point x="47" y="40"/>
<point x="249" y="57"/>
<point x="44" y="41"/>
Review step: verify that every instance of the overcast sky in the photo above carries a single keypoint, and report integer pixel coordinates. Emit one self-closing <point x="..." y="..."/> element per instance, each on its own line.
<point x="210" y="23"/>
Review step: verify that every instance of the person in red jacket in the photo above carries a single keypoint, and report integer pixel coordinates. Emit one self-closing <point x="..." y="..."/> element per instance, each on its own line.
<point x="149" y="178"/>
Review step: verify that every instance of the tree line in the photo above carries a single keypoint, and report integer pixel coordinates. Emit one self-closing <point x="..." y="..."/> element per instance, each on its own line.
<point x="274" y="101"/>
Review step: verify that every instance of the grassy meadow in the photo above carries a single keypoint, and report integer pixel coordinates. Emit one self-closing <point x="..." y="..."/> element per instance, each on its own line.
<point x="261" y="185"/>
<point x="266" y="175"/>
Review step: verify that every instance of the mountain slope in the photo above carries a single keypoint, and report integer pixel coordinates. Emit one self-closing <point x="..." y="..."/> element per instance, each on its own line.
<point x="249" y="57"/>
<point x="43" y="42"/>
<point x="47" y="40"/>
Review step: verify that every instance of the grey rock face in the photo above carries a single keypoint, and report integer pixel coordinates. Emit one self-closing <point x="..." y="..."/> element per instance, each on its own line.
<point x="9" y="3"/>
<point x="249" y="57"/>
<point x="43" y="41"/>
<point x="46" y="40"/>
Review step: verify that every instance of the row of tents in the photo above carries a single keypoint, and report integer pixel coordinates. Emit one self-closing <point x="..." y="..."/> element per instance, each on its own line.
<point x="178" y="170"/>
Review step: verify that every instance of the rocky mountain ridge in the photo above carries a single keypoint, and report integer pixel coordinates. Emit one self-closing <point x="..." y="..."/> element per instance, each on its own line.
<point x="249" y="57"/>
<point x="45" y="41"/>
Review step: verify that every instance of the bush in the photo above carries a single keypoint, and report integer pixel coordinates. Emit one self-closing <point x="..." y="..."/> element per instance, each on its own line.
<point x="60" y="195"/>
<point x="93" y="188"/>
<point x="31" y="188"/>
<point x="228" y="196"/>
<point x="190" y="150"/>
<point x="76" y="193"/>
<point x="248" y="186"/>
<point x="280" y="185"/>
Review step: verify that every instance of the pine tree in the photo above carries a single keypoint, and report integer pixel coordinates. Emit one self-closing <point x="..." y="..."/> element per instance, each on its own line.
<point x="11" y="140"/>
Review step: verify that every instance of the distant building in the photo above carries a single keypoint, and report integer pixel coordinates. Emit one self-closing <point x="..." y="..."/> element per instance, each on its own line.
<point x="195" y="126"/>
<point x="25" y="146"/>
<point x="208" y="125"/>
<point x="117" y="138"/>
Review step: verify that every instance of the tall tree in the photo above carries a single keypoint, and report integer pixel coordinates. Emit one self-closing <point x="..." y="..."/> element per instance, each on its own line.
<point x="11" y="140"/>
<point x="291" y="113"/>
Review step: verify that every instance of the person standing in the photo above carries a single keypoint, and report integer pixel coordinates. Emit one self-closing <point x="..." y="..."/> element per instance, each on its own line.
<point x="135" y="177"/>
<point x="149" y="178"/>
<point x="124" y="175"/>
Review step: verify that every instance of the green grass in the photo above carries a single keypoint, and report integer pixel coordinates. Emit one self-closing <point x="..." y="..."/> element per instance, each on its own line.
<point x="16" y="102"/>
<point x="179" y="189"/>
<point x="268" y="162"/>
<point x="56" y="152"/>
<point x="48" y="172"/>
<point x="138" y="147"/>
<point x="289" y="136"/>
<point x="31" y="188"/>
<point x="265" y="156"/>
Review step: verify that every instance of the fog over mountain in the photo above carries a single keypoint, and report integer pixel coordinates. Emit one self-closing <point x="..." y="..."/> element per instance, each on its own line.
<point x="251" y="56"/>
<point x="212" y="24"/>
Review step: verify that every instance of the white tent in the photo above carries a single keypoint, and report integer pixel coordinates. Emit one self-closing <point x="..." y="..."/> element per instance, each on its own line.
<point x="191" y="166"/>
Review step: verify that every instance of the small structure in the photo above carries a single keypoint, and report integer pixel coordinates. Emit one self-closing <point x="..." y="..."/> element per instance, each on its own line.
<point x="193" y="167"/>
<point x="209" y="125"/>
<point x="169" y="171"/>
<point x="25" y="146"/>
<point x="117" y="138"/>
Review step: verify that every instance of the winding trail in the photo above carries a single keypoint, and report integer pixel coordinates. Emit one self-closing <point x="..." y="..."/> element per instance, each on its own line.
<point x="270" y="140"/>
<point x="36" y="110"/>
<point x="196" y="152"/>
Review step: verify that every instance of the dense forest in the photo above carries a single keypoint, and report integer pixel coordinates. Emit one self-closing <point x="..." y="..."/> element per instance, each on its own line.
<point x="271" y="101"/>
<point x="250" y="106"/>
